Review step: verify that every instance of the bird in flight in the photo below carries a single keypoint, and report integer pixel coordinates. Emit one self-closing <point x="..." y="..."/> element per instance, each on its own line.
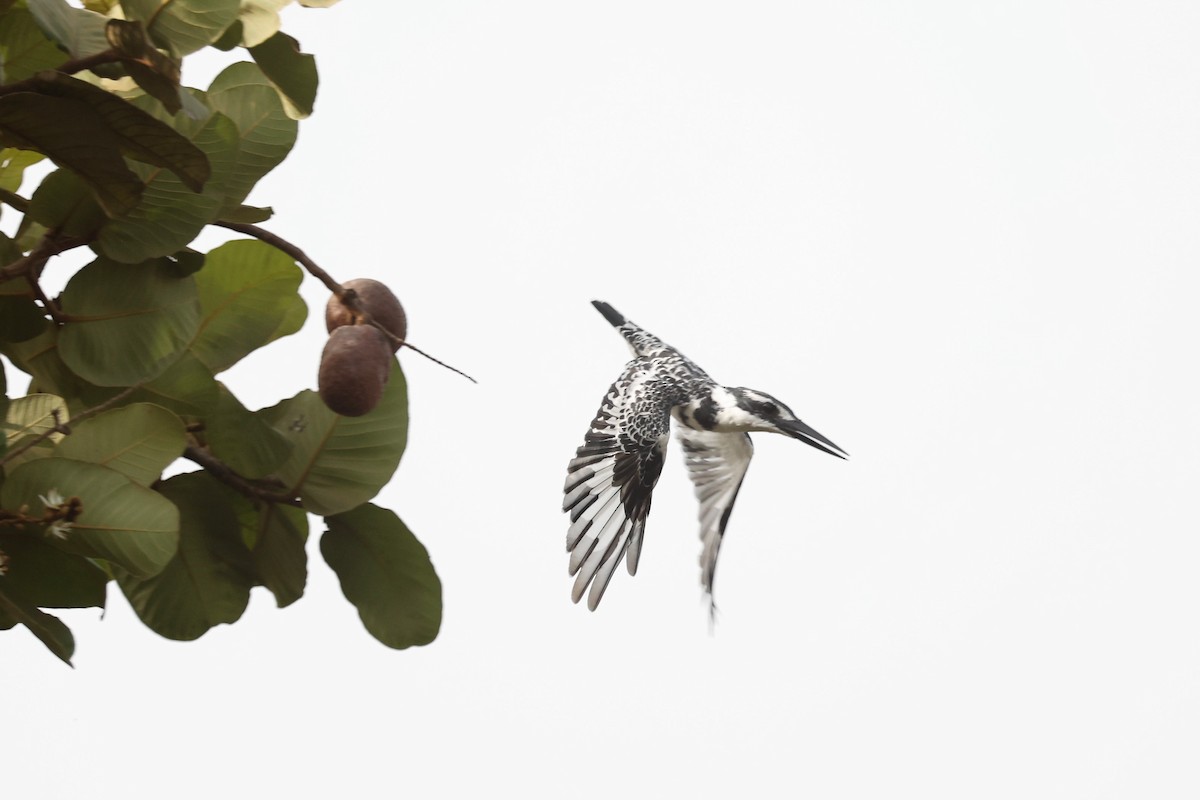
<point x="611" y="478"/>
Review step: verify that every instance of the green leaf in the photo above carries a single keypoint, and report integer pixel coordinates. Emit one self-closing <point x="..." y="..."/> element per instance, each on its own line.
<point x="183" y="26"/>
<point x="129" y="322"/>
<point x="159" y="81"/>
<point x="294" y="74"/>
<point x="248" y="297"/>
<point x="80" y="32"/>
<point x="10" y="252"/>
<point x="248" y="215"/>
<point x="29" y="417"/>
<point x="338" y="463"/>
<point x="186" y="388"/>
<point x="13" y="163"/>
<point x="386" y="573"/>
<point x="169" y="215"/>
<point x="24" y="49"/>
<point x="241" y="439"/>
<point x="21" y="318"/>
<point x="121" y="522"/>
<point x="140" y="135"/>
<point x="208" y="580"/>
<point x="157" y="75"/>
<point x="259" y="20"/>
<point x="231" y="38"/>
<point x="33" y="415"/>
<point x="138" y="441"/>
<point x="278" y="533"/>
<point x="29" y="234"/>
<point x="39" y="358"/>
<point x="63" y="201"/>
<point x="244" y="94"/>
<point x="44" y="576"/>
<point x="193" y="108"/>
<point x="49" y="629"/>
<point x="72" y="134"/>
<point x="3" y="407"/>
<point x="186" y="262"/>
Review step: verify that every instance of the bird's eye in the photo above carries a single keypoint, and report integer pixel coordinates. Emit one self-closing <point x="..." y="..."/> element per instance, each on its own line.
<point x="768" y="410"/>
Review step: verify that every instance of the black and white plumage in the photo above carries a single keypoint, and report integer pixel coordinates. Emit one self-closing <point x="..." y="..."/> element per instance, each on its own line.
<point x="610" y="480"/>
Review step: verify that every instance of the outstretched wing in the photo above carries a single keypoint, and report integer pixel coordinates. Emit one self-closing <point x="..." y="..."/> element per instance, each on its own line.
<point x="609" y="483"/>
<point x="716" y="463"/>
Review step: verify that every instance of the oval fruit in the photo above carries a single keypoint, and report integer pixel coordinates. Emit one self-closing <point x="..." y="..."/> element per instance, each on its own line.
<point x="354" y="368"/>
<point x="378" y="301"/>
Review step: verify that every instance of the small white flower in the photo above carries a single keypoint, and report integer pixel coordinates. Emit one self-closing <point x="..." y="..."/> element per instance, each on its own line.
<point x="58" y="530"/>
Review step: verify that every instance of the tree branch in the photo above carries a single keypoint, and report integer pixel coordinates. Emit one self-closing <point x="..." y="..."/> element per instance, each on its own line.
<point x="67" y="68"/>
<point x="50" y="306"/>
<point x="348" y="297"/>
<point x="51" y="245"/>
<point x="65" y="427"/>
<point x="15" y="200"/>
<point x="222" y="472"/>
<point x="292" y="250"/>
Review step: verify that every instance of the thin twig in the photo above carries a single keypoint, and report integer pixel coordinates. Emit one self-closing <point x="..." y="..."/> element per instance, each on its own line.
<point x="415" y="349"/>
<point x="222" y="472"/>
<point x="65" y="427"/>
<point x="287" y="247"/>
<point x="51" y="245"/>
<point x="15" y="200"/>
<point x="347" y="297"/>
<point x="50" y="305"/>
<point x="87" y="62"/>
<point x="67" y="68"/>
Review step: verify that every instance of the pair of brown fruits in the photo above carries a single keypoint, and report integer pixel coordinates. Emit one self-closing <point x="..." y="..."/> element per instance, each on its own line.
<point x="357" y="358"/>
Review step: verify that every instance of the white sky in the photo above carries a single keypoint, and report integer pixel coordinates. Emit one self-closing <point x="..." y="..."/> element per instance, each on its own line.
<point x="960" y="239"/>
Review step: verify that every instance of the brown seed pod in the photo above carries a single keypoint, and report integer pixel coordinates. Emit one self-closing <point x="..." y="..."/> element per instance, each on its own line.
<point x="354" y="369"/>
<point x="378" y="301"/>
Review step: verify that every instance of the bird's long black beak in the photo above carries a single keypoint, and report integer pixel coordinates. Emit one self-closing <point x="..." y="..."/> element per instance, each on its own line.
<point x="798" y="430"/>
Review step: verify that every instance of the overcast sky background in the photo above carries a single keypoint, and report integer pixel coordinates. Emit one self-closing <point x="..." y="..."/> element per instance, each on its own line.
<point x="959" y="239"/>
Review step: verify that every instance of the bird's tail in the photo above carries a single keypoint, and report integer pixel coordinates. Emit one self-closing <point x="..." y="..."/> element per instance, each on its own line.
<point x="642" y="342"/>
<point x="610" y="313"/>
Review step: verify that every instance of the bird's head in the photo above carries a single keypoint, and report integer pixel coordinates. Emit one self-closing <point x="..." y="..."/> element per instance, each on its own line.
<point x="753" y="410"/>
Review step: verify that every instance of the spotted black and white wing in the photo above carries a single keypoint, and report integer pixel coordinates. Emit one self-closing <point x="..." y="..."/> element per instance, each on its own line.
<point x="716" y="463"/>
<point x="610" y="481"/>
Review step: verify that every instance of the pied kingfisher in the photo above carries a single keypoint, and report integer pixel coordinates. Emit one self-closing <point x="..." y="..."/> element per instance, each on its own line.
<point x="612" y="475"/>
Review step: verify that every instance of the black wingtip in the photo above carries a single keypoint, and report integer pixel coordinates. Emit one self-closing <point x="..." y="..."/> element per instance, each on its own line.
<point x="611" y="314"/>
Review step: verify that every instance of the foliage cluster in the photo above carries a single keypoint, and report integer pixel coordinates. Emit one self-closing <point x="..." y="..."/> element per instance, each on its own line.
<point x="123" y="363"/>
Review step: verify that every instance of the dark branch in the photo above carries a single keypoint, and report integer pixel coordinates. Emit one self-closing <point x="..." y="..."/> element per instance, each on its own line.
<point x="415" y="349"/>
<point x="222" y="472"/>
<point x="68" y="68"/>
<point x="285" y="246"/>
<point x="348" y="297"/>
<point x="50" y="305"/>
<point x="65" y="427"/>
<point x="51" y="245"/>
<point x="15" y="200"/>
